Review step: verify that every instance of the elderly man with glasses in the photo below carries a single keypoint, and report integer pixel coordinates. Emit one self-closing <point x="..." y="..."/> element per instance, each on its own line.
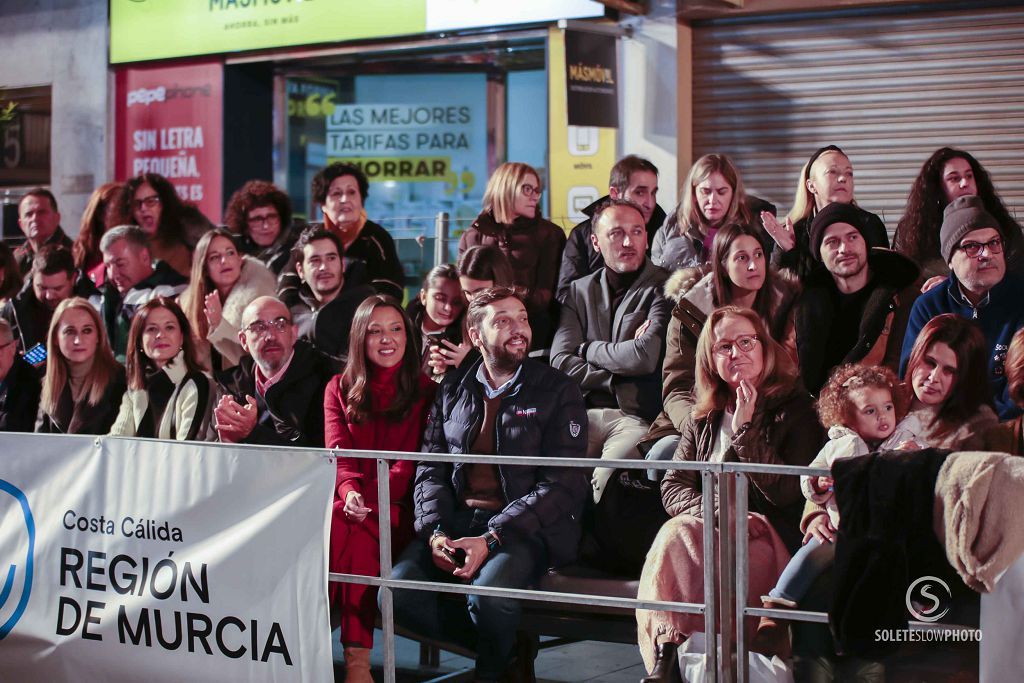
<point x="978" y="288"/>
<point x="276" y="394"/>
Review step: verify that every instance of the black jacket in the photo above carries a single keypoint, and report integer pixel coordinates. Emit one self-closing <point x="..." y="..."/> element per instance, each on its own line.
<point x="24" y="254"/>
<point x="883" y="318"/>
<point x="542" y="414"/>
<point x="277" y="255"/>
<point x="327" y="328"/>
<point x="292" y="412"/>
<point x="82" y="418"/>
<point x="19" y="397"/>
<point x="886" y="540"/>
<point x="803" y="263"/>
<point x="30" y="318"/>
<point x="117" y="311"/>
<point x="579" y="257"/>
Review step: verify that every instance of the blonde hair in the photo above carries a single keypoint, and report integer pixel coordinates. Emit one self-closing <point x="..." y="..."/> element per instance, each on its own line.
<point x="778" y="374"/>
<point x="835" y="407"/>
<point x="689" y="214"/>
<point x="803" y="201"/>
<point x="104" y="365"/>
<point x="504" y="183"/>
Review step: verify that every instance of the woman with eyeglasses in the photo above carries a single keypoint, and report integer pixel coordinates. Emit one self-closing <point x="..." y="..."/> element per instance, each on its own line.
<point x="260" y="214"/>
<point x="749" y="407"/>
<point x="169" y="396"/>
<point x="84" y="384"/>
<point x="511" y="221"/>
<point x="380" y="402"/>
<point x="826" y="177"/>
<point x="150" y="201"/>
<point x="223" y="283"/>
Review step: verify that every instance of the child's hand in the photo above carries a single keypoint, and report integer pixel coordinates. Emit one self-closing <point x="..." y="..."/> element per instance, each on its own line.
<point x="909" y="445"/>
<point x="824" y="484"/>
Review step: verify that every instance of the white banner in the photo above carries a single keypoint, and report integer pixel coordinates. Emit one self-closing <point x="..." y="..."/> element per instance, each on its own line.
<point x="131" y="559"/>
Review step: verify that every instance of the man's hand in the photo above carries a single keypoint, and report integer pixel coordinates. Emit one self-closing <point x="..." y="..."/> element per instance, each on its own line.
<point x="234" y="421"/>
<point x="476" y="554"/>
<point x="442" y="561"/>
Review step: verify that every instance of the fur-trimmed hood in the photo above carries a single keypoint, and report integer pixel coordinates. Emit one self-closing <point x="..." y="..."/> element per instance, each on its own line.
<point x="256" y="280"/>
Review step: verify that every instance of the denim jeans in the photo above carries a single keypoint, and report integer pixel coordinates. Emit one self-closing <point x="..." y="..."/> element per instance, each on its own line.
<point x="663" y="449"/>
<point x="484" y="624"/>
<point x="813" y="558"/>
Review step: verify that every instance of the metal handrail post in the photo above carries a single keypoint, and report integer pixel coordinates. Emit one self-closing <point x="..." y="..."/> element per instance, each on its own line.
<point x="742" y="576"/>
<point x="710" y="577"/>
<point x="441" y="238"/>
<point x="727" y="568"/>
<point x="384" y="534"/>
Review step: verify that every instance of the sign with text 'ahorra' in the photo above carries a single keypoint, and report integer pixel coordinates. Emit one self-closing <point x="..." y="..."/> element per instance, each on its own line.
<point x="131" y="559"/>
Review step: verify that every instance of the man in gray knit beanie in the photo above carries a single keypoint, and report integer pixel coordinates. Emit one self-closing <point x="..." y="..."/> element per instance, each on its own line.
<point x="963" y="215"/>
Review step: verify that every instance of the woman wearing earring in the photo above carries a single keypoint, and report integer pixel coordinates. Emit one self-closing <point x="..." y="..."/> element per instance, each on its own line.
<point x="84" y="383"/>
<point x="168" y="395"/>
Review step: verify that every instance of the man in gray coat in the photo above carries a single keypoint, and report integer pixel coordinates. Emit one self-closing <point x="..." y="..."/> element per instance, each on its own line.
<point x="611" y="338"/>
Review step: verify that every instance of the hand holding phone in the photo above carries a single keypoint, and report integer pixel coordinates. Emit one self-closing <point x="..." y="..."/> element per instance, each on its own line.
<point x="36" y="356"/>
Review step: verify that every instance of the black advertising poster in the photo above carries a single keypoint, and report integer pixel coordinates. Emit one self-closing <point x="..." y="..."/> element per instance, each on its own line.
<point x="591" y="73"/>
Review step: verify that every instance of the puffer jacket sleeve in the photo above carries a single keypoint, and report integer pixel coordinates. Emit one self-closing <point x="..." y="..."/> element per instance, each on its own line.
<point x="575" y="261"/>
<point x="681" y="490"/>
<point x="559" y="491"/>
<point x="433" y="495"/>
<point x="679" y="373"/>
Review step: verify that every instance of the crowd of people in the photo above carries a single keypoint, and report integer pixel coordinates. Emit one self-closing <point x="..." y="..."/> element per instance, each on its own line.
<point x="717" y="332"/>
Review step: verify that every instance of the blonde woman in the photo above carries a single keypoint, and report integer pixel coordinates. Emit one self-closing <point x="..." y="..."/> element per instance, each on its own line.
<point x="223" y="283"/>
<point x="84" y="383"/>
<point x="827" y="177"/>
<point x="511" y="221"/>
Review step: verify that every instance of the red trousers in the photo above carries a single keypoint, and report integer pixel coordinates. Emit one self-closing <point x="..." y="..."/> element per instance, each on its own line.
<point x="355" y="549"/>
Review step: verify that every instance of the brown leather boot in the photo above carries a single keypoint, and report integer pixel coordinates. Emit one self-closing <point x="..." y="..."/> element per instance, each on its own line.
<point x="772" y="639"/>
<point x="357" y="665"/>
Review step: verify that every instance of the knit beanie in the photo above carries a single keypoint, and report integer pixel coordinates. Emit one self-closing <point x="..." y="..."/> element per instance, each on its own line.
<point x="961" y="216"/>
<point x="836" y="212"/>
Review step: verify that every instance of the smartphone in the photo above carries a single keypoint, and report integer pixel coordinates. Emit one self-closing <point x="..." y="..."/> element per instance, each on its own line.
<point x="458" y="558"/>
<point x="36" y="356"/>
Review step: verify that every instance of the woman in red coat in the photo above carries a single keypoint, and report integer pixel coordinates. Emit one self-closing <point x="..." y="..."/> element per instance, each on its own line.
<point x="379" y="403"/>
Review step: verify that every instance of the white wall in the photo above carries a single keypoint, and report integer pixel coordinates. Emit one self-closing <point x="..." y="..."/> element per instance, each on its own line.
<point x="647" y="93"/>
<point x="63" y="43"/>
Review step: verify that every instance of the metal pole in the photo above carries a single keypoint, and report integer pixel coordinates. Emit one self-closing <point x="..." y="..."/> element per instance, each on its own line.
<point x="387" y="607"/>
<point x="742" y="576"/>
<point x="727" y="564"/>
<point x="440" y="238"/>
<point x="710" y="576"/>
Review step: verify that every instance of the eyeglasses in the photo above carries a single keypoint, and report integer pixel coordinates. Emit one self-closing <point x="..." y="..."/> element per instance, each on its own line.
<point x="260" y="327"/>
<point x="269" y="219"/>
<point x="744" y="343"/>
<point x="530" y="190"/>
<point x="149" y="202"/>
<point x="973" y="249"/>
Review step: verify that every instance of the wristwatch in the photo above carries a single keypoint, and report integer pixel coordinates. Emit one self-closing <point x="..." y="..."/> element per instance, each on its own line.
<point x="493" y="542"/>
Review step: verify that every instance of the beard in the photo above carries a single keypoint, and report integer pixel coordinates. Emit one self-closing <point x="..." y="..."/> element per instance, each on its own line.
<point x="503" y="360"/>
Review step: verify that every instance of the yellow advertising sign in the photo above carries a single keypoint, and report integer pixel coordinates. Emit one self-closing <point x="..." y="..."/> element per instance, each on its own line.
<point x="403" y="169"/>
<point x="580" y="158"/>
<point x="157" y="29"/>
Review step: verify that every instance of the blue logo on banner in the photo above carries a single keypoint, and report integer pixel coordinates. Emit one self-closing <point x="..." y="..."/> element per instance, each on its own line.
<point x="7" y="587"/>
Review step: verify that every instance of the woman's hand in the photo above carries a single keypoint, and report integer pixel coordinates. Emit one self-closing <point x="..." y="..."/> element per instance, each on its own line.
<point x="446" y="354"/>
<point x="932" y="283"/>
<point x="820" y="528"/>
<point x="782" y="233"/>
<point x="355" y="510"/>
<point x="213" y="309"/>
<point x="746" y="397"/>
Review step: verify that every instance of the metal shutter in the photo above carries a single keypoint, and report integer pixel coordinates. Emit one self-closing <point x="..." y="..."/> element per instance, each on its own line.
<point x="889" y="88"/>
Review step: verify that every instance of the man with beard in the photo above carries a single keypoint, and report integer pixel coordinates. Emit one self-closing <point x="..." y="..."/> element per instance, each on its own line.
<point x="855" y="308"/>
<point x="275" y="395"/>
<point x="327" y="303"/>
<point x="612" y="335"/>
<point x="494" y="525"/>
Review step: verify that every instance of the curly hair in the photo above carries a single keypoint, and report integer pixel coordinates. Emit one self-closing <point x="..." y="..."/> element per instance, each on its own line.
<point x="917" y="233"/>
<point x="835" y="407"/>
<point x="322" y="180"/>
<point x="170" y="229"/>
<point x="256" y="194"/>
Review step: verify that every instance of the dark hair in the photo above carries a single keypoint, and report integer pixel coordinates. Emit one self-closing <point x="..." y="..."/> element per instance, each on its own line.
<point x="322" y="180"/>
<point x="11" y="282"/>
<point x="445" y="271"/>
<point x="257" y="194"/>
<point x="477" y="307"/>
<point x="971" y="389"/>
<point x="624" y="169"/>
<point x="98" y="217"/>
<point x="486" y="262"/>
<point x="315" y="233"/>
<point x="170" y="228"/>
<point x="52" y="259"/>
<point x="721" y="293"/>
<point x="917" y="234"/>
<point x="39" y="192"/>
<point x="611" y="204"/>
<point x="193" y="299"/>
<point x="137" y="363"/>
<point x="355" y="380"/>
